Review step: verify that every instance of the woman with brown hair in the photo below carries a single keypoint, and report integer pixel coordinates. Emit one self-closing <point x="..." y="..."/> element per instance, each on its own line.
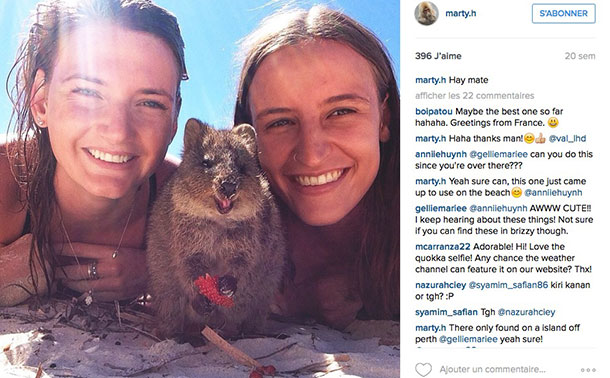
<point x="96" y="97"/>
<point x="320" y="91"/>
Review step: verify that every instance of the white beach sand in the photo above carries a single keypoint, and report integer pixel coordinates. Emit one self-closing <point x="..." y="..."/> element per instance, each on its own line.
<point x="52" y="338"/>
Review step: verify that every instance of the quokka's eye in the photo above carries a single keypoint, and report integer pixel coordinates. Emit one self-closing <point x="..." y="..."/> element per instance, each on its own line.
<point x="207" y="163"/>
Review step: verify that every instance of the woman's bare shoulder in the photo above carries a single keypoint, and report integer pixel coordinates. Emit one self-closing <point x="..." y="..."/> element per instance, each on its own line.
<point x="12" y="211"/>
<point x="166" y="169"/>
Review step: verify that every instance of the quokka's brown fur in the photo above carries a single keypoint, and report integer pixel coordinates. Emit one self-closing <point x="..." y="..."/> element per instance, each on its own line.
<point x="216" y="215"/>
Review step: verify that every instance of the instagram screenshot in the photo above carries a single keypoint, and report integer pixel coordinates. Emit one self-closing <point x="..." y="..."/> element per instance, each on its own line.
<point x="505" y="209"/>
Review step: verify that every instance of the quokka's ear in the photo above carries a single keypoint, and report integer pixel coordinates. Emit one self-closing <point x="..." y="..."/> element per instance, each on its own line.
<point x="194" y="133"/>
<point x="248" y="135"/>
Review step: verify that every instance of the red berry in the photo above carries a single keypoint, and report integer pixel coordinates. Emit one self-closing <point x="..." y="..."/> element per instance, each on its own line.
<point x="208" y="287"/>
<point x="255" y="374"/>
<point x="269" y="370"/>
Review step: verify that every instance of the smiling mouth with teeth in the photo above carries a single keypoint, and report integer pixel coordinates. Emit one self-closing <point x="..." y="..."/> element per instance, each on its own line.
<point x="110" y="158"/>
<point x="322" y="179"/>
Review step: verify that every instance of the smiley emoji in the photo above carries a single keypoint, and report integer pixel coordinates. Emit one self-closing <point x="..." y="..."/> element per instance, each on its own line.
<point x="516" y="192"/>
<point x="529" y="138"/>
<point x="553" y="122"/>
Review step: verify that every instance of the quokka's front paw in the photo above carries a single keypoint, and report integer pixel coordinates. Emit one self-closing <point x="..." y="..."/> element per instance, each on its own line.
<point x="227" y="285"/>
<point x="202" y="305"/>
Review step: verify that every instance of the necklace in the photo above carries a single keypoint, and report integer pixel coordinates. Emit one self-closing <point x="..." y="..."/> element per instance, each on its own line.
<point x="92" y="269"/>
<point x="116" y="251"/>
<point x="89" y="294"/>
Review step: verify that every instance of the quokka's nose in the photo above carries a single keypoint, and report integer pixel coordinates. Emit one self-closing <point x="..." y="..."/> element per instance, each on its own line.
<point x="228" y="188"/>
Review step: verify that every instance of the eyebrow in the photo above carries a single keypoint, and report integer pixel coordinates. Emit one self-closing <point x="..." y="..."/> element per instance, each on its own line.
<point x="147" y="91"/>
<point x="330" y="100"/>
<point x="156" y="91"/>
<point x="346" y="96"/>
<point x="270" y="111"/>
<point x="83" y="77"/>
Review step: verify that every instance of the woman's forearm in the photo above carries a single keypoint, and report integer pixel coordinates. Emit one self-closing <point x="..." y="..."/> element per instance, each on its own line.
<point x="16" y="283"/>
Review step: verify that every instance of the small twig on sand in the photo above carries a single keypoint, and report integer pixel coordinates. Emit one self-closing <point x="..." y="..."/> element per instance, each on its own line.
<point x="327" y="366"/>
<point x="277" y="351"/>
<point x="39" y="371"/>
<point x="143" y="332"/>
<point x="118" y="312"/>
<point x="318" y="367"/>
<point x="74" y="325"/>
<point x="229" y="349"/>
<point x="136" y="317"/>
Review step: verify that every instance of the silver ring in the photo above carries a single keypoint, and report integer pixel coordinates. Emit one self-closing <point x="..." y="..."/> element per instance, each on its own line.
<point x="92" y="271"/>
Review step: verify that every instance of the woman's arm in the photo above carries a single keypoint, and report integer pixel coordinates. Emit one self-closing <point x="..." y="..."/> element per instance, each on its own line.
<point x="12" y="210"/>
<point x="15" y="276"/>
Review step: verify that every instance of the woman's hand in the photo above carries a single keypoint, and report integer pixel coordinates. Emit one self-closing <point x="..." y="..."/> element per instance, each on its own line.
<point x="120" y="278"/>
<point x="330" y="297"/>
<point x="337" y="300"/>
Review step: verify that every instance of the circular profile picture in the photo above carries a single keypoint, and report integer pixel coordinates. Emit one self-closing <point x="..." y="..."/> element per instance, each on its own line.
<point x="426" y="13"/>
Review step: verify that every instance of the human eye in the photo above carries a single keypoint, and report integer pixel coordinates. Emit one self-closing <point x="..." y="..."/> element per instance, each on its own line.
<point x="279" y="123"/>
<point x="342" y="111"/>
<point x="153" y="104"/>
<point x="87" y="92"/>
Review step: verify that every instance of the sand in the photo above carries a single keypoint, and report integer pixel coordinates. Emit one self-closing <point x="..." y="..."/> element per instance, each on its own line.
<point x="69" y="340"/>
